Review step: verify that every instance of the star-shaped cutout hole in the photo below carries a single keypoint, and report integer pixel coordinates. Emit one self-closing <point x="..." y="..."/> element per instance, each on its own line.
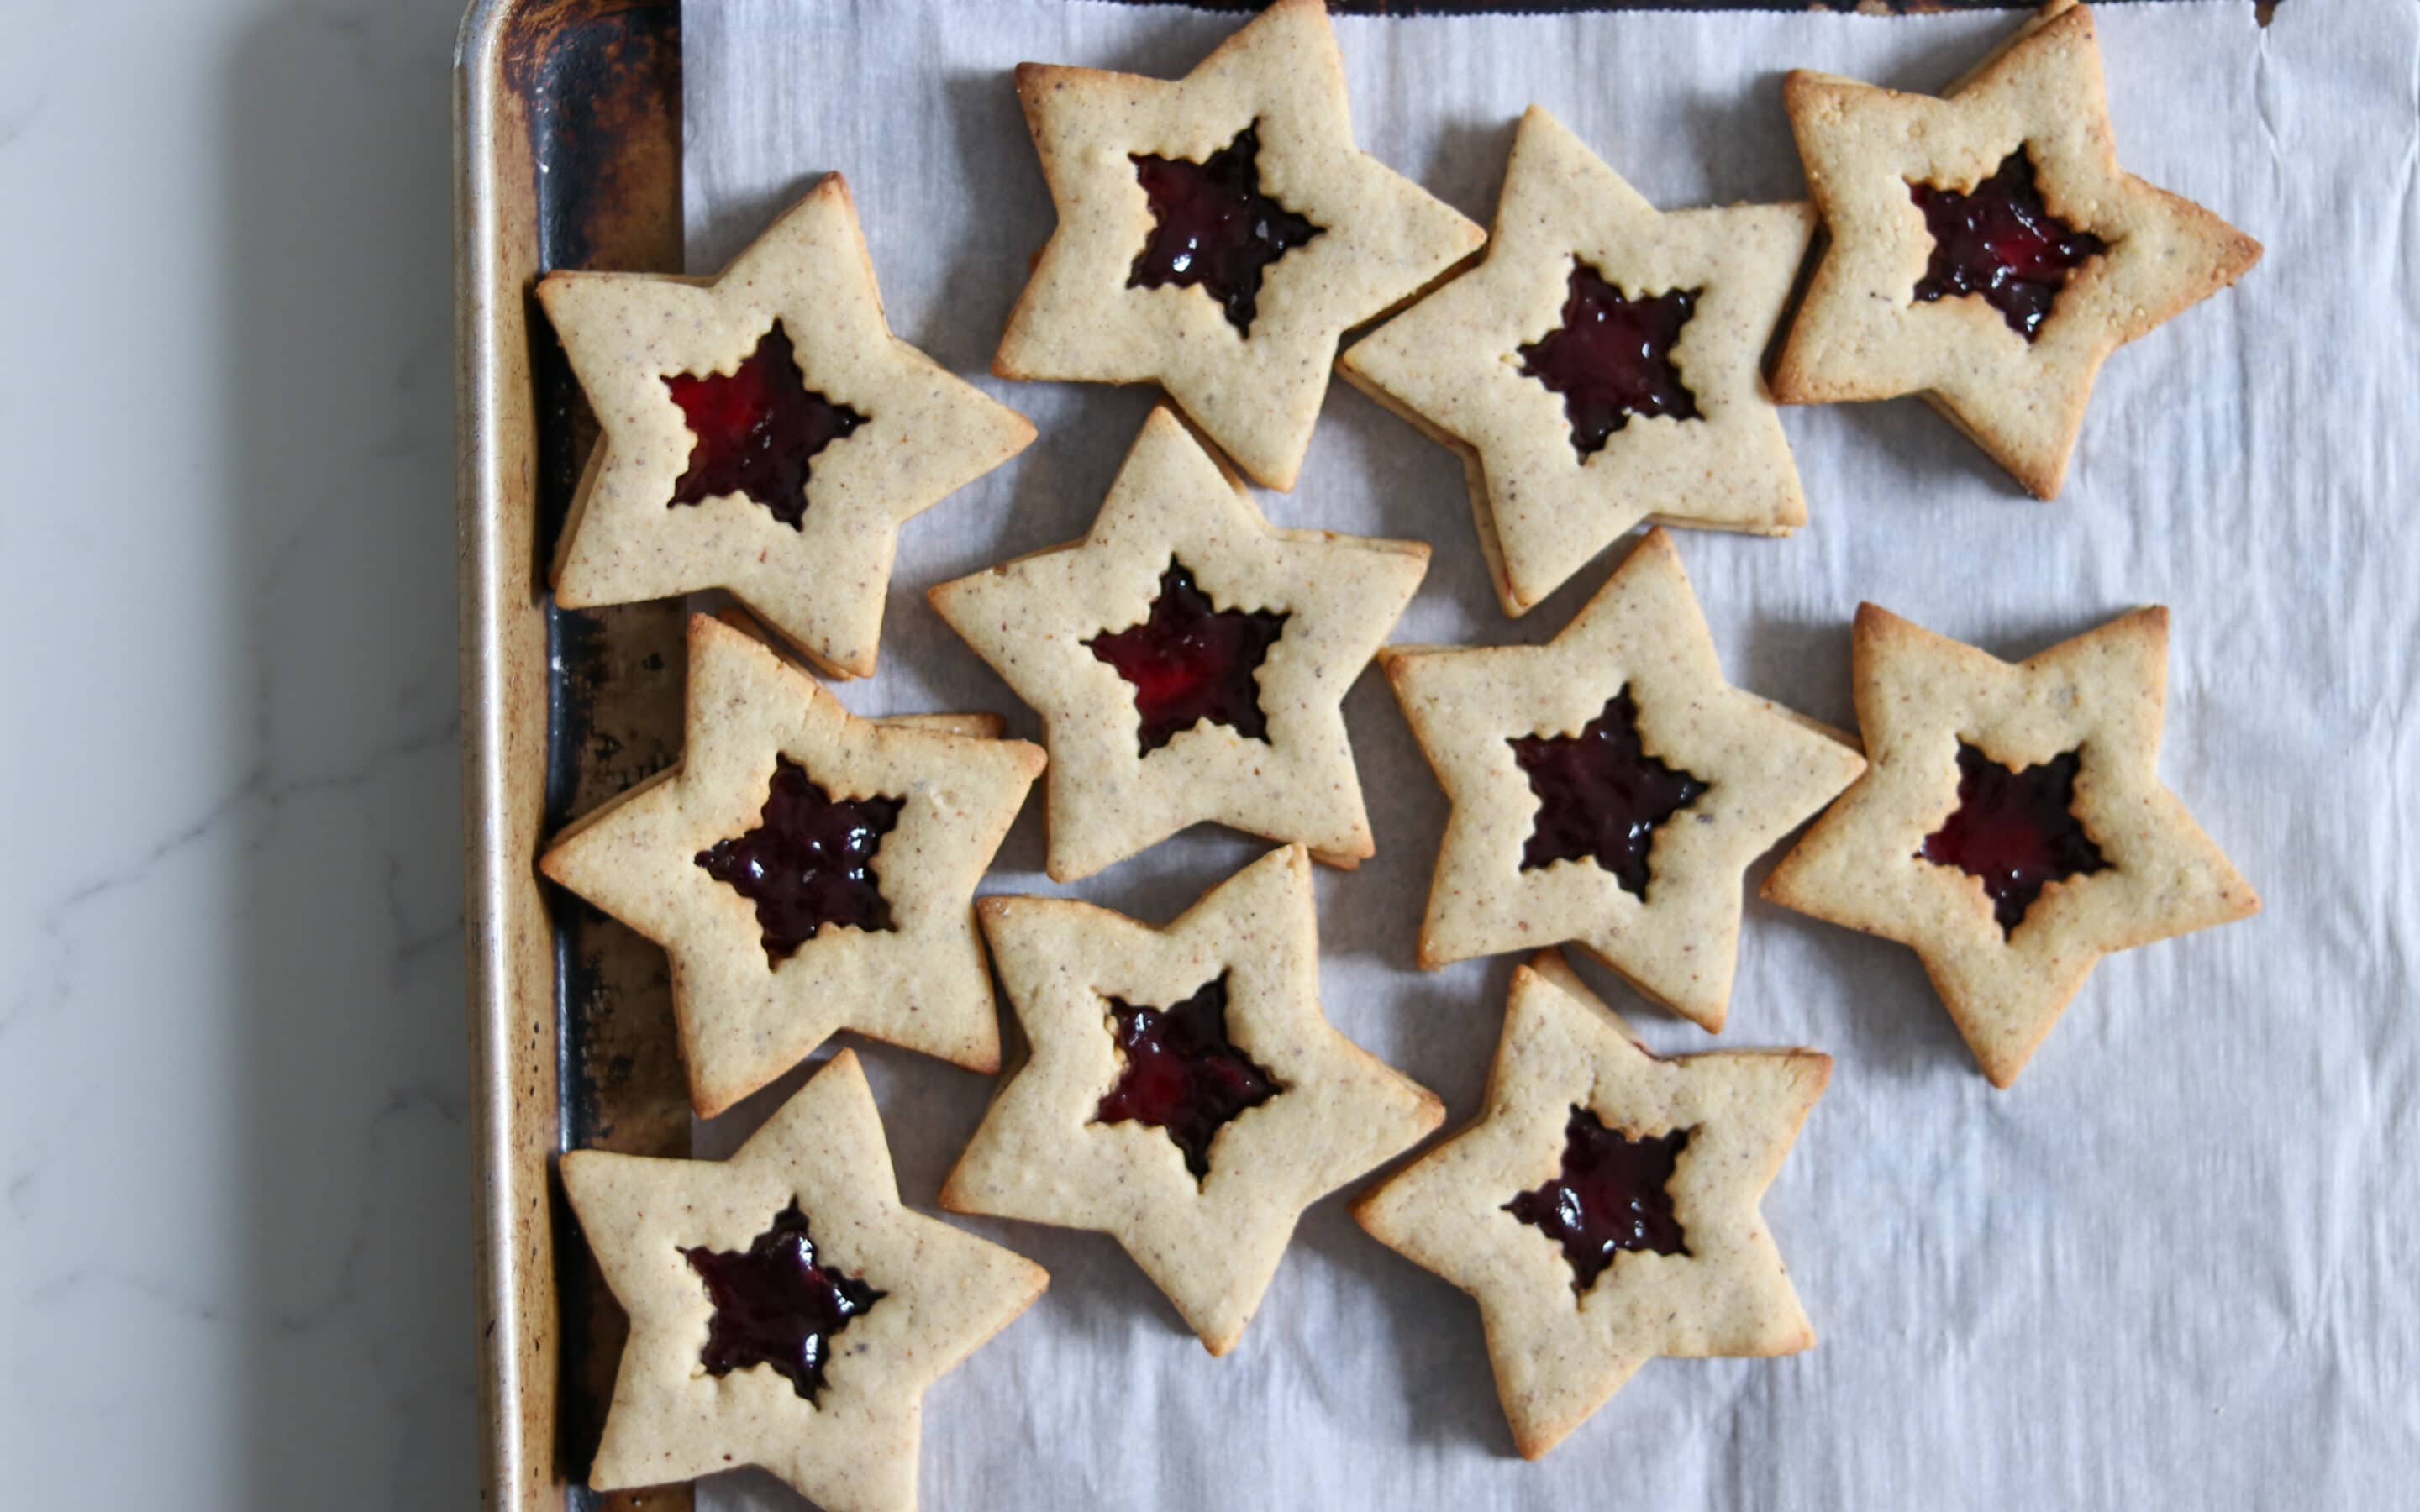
<point x="1999" y="240"/>
<point x="1191" y="661"/>
<point x="1181" y="1072"/>
<point x="1613" y="1194"/>
<point x="756" y="430"/>
<point x="1213" y="228"/>
<point x="777" y="1303"/>
<point x="809" y="862"/>
<point x="1612" y="357"/>
<point x="2014" y="830"/>
<point x="1600" y="795"/>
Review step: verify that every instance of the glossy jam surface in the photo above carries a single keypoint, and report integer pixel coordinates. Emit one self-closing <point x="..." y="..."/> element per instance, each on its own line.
<point x="2001" y="242"/>
<point x="1612" y="357"/>
<point x="1191" y="661"/>
<point x="809" y="862"/>
<point x="2016" y="830"/>
<point x="1181" y="1074"/>
<point x="1600" y="794"/>
<point x="776" y="1304"/>
<point x="1213" y="229"/>
<point x="1614" y="1194"/>
<point x="755" y="431"/>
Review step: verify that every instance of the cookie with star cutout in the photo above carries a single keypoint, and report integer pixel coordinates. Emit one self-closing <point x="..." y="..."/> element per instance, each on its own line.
<point x="806" y="870"/>
<point x="2011" y="826"/>
<point x="1186" y="1094"/>
<point x="785" y="1310"/>
<point x="764" y="432"/>
<point x="1603" y="1208"/>
<point x="1609" y="788"/>
<point x="1601" y="366"/>
<point x="1189" y="661"/>
<point x="1987" y="252"/>
<point x="1219" y="233"/>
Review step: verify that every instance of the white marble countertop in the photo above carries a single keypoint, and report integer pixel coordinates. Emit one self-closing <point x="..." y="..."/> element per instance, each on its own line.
<point x="235" y="1216"/>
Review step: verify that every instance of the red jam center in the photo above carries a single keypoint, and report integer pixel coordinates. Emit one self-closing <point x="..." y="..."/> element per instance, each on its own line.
<point x="1614" y="1194"/>
<point x="2017" y="830"/>
<point x="1999" y="240"/>
<point x="1212" y="228"/>
<point x="774" y="1304"/>
<point x="1600" y="794"/>
<point x="1191" y="661"/>
<point x="755" y="431"/>
<point x="1612" y="357"/>
<point x="1182" y="1072"/>
<point x="808" y="863"/>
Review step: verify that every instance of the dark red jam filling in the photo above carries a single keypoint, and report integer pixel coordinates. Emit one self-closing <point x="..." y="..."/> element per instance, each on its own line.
<point x="1600" y="794"/>
<point x="808" y="863"/>
<point x="1612" y="357"/>
<point x="755" y="431"/>
<point x="1212" y="228"/>
<point x="1615" y="1194"/>
<point x="775" y="1304"/>
<point x="2000" y="240"/>
<point x="1182" y="1072"/>
<point x="1191" y="661"/>
<point x="2017" y="830"/>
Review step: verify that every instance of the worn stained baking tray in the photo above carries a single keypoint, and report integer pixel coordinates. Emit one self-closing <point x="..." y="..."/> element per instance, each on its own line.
<point x="568" y="154"/>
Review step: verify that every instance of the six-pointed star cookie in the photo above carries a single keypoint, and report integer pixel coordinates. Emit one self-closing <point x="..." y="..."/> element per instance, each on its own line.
<point x="1609" y="787"/>
<point x="1987" y="251"/>
<point x="1186" y="1093"/>
<point x="1231" y="302"/>
<point x="1603" y="1208"/>
<point x="2012" y="826"/>
<point x="764" y="433"/>
<point x="806" y="870"/>
<point x="824" y="1308"/>
<point x="1190" y="662"/>
<point x="1601" y="367"/>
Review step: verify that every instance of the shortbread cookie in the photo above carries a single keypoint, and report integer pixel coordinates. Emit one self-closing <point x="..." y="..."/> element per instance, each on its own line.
<point x="785" y="1310"/>
<point x="1602" y="1173"/>
<point x="1190" y="662"/>
<point x="764" y="433"/>
<point x="1186" y="1094"/>
<point x="1609" y="788"/>
<point x="2012" y="826"/>
<point x="1601" y="366"/>
<point x="807" y="871"/>
<point x="1218" y="235"/>
<point x="1987" y="251"/>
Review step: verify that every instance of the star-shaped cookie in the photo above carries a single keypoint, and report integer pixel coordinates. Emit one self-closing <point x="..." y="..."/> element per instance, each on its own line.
<point x="1987" y="251"/>
<point x="2012" y="826"/>
<point x="1609" y="788"/>
<point x="1603" y="1207"/>
<point x="1601" y="366"/>
<point x="1189" y="661"/>
<point x="857" y="1304"/>
<point x="806" y="870"/>
<point x="764" y="433"/>
<point x="1186" y="1093"/>
<point x="1218" y="235"/>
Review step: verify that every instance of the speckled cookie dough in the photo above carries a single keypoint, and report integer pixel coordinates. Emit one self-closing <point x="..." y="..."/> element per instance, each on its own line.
<point x="798" y="320"/>
<point x="935" y="806"/>
<point x="1460" y="364"/>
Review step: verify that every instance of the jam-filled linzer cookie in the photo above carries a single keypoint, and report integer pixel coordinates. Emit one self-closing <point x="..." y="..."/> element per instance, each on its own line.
<point x="1603" y="1208"/>
<point x="1987" y="251"/>
<point x="1189" y="661"/>
<point x="2012" y="828"/>
<point x="1601" y="366"/>
<point x="1609" y="787"/>
<point x="805" y="870"/>
<point x="764" y="433"/>
<point x="1186" y="1093"/>
<point x="1219" y="233"/>
<point x="785" y="1310"/>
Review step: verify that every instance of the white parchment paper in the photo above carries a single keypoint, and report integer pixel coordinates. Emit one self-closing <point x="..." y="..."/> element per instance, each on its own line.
<point x="2175" y="1265"/>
